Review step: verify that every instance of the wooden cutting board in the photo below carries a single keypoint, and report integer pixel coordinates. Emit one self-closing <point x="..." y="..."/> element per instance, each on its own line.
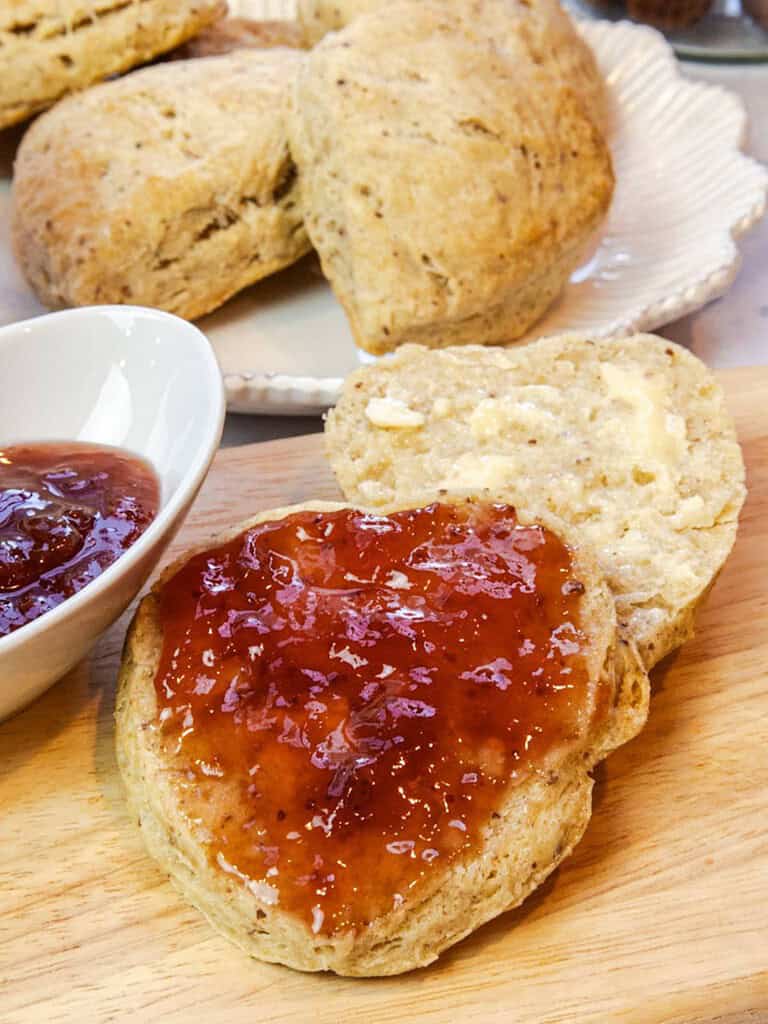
<point x="660" y="916"/>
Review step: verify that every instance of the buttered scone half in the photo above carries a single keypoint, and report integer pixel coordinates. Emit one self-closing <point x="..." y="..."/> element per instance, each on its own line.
<point x="352" y="737"/>
<point x="450" y="175"/>
<point x="49" y="48"/>
<point x="172" y="187"/>
<point x="627" y="441"/>
<point x="549" y="31"/>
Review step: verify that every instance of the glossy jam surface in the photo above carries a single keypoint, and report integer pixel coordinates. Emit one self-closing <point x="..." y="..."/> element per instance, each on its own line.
<point x="347" y="697"/>
<point x="67" y="511"/>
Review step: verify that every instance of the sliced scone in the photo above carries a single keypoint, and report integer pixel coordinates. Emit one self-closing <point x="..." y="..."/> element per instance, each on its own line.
<point x="550" y="33"/>
<point x="172" y="187"/>
<point x="352" y="737"/>
<point x="628" y="441"/>
<point x="49" y="48"/>
<point x="451" y="175"/>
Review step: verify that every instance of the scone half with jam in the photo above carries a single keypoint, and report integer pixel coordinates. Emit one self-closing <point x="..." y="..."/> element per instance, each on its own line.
<point x="352" y="737"/>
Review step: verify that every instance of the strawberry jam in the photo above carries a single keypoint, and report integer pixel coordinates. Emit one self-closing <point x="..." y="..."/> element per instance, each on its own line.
<point x="67" y="511"/>
<point x="347" y="697"/>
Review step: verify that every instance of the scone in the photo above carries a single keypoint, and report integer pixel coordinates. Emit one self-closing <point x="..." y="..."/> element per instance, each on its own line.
<point x="319" y="17"/>
<point x="49" y="48"/>
<point x="450" y="176"/>
<point x="628" y="441"/>
<point x="172" y="187"/>
<point x="549" y="31"/>
<point x="353" y="737"/>
<point x="229" y="34"/>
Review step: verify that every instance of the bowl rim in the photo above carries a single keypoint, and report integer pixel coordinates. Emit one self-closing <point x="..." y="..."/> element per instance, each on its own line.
<point x="184" y="492"/>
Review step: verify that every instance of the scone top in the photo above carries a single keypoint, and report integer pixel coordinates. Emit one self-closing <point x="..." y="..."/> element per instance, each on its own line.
<point x="349" y="696"/>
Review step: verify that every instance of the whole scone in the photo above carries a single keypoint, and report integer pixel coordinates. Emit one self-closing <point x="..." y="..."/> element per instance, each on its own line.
<point x="627" y="441"/>
<point x="172" y="187"/>
<point x="548" y="29"/>
<point x="451" y="177"/>
<point x="251" y="769"/>
<point x="49" y="48"/>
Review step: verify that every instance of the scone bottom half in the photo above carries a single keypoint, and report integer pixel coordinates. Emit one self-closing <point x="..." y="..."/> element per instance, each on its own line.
<point x="352" y="737"/>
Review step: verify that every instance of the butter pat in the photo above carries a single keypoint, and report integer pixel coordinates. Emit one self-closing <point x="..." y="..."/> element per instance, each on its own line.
<point x="655" y="434"/>
<point x="487" y="420"/>
<point x="520" y="409"/>
<point x="479" y="472"/>
<point x="692" y="513"/>
<point x="392" y="413"/>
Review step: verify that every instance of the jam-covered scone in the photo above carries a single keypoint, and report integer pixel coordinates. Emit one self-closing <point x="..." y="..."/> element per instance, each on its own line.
<point x="352" y="737"/>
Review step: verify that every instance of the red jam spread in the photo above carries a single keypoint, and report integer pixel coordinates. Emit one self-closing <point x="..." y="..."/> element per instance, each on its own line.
<point x="67" y="511"/>
<point x="347" y="697"/>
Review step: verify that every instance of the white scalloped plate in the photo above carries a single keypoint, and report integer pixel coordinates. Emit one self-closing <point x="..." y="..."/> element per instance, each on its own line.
<point x="684" y="192"/>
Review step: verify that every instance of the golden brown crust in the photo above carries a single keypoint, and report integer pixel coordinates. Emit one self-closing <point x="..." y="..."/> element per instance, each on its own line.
<point x="172" y="187"/>
<point x="49" y="48"/>
<point x="550" y="32"/>
<point x="540" y="823"/>
<point x="451" y="176"/>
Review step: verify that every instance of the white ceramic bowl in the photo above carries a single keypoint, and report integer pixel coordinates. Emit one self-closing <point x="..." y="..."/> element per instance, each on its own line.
<point x="113" y="375"/>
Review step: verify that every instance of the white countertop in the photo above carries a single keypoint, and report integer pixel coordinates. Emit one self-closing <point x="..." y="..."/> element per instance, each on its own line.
<point x="732" y="331"/>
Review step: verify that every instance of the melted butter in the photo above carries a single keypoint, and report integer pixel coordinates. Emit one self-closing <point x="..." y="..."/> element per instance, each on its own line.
<point x="392" y="413"/>
<point x="350" y="696"/>
<point x="655" y="434"/>
<point x="473" y="471"/>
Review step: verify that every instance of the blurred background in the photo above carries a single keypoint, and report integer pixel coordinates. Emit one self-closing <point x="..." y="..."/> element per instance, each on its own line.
<point x="697" y="29"/>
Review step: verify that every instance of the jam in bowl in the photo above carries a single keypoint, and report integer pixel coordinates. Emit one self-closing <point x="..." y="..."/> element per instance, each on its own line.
<point x="67" y="512"/>
<point x="127" y="380"/>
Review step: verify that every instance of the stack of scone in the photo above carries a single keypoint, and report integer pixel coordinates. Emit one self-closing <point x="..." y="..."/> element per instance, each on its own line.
<point x="446" y="160"/>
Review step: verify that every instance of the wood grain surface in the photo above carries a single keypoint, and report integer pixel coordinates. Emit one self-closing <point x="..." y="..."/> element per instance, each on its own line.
<point x="660" y="916"/>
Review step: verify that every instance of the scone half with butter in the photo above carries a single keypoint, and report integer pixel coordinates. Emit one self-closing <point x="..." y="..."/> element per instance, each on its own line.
<point x="49" y="48"/>
<point x="351" y="737"/>
<point x="627" y="441"/>
<point x="451" y="174"/>
<point x="172" y="187"/>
